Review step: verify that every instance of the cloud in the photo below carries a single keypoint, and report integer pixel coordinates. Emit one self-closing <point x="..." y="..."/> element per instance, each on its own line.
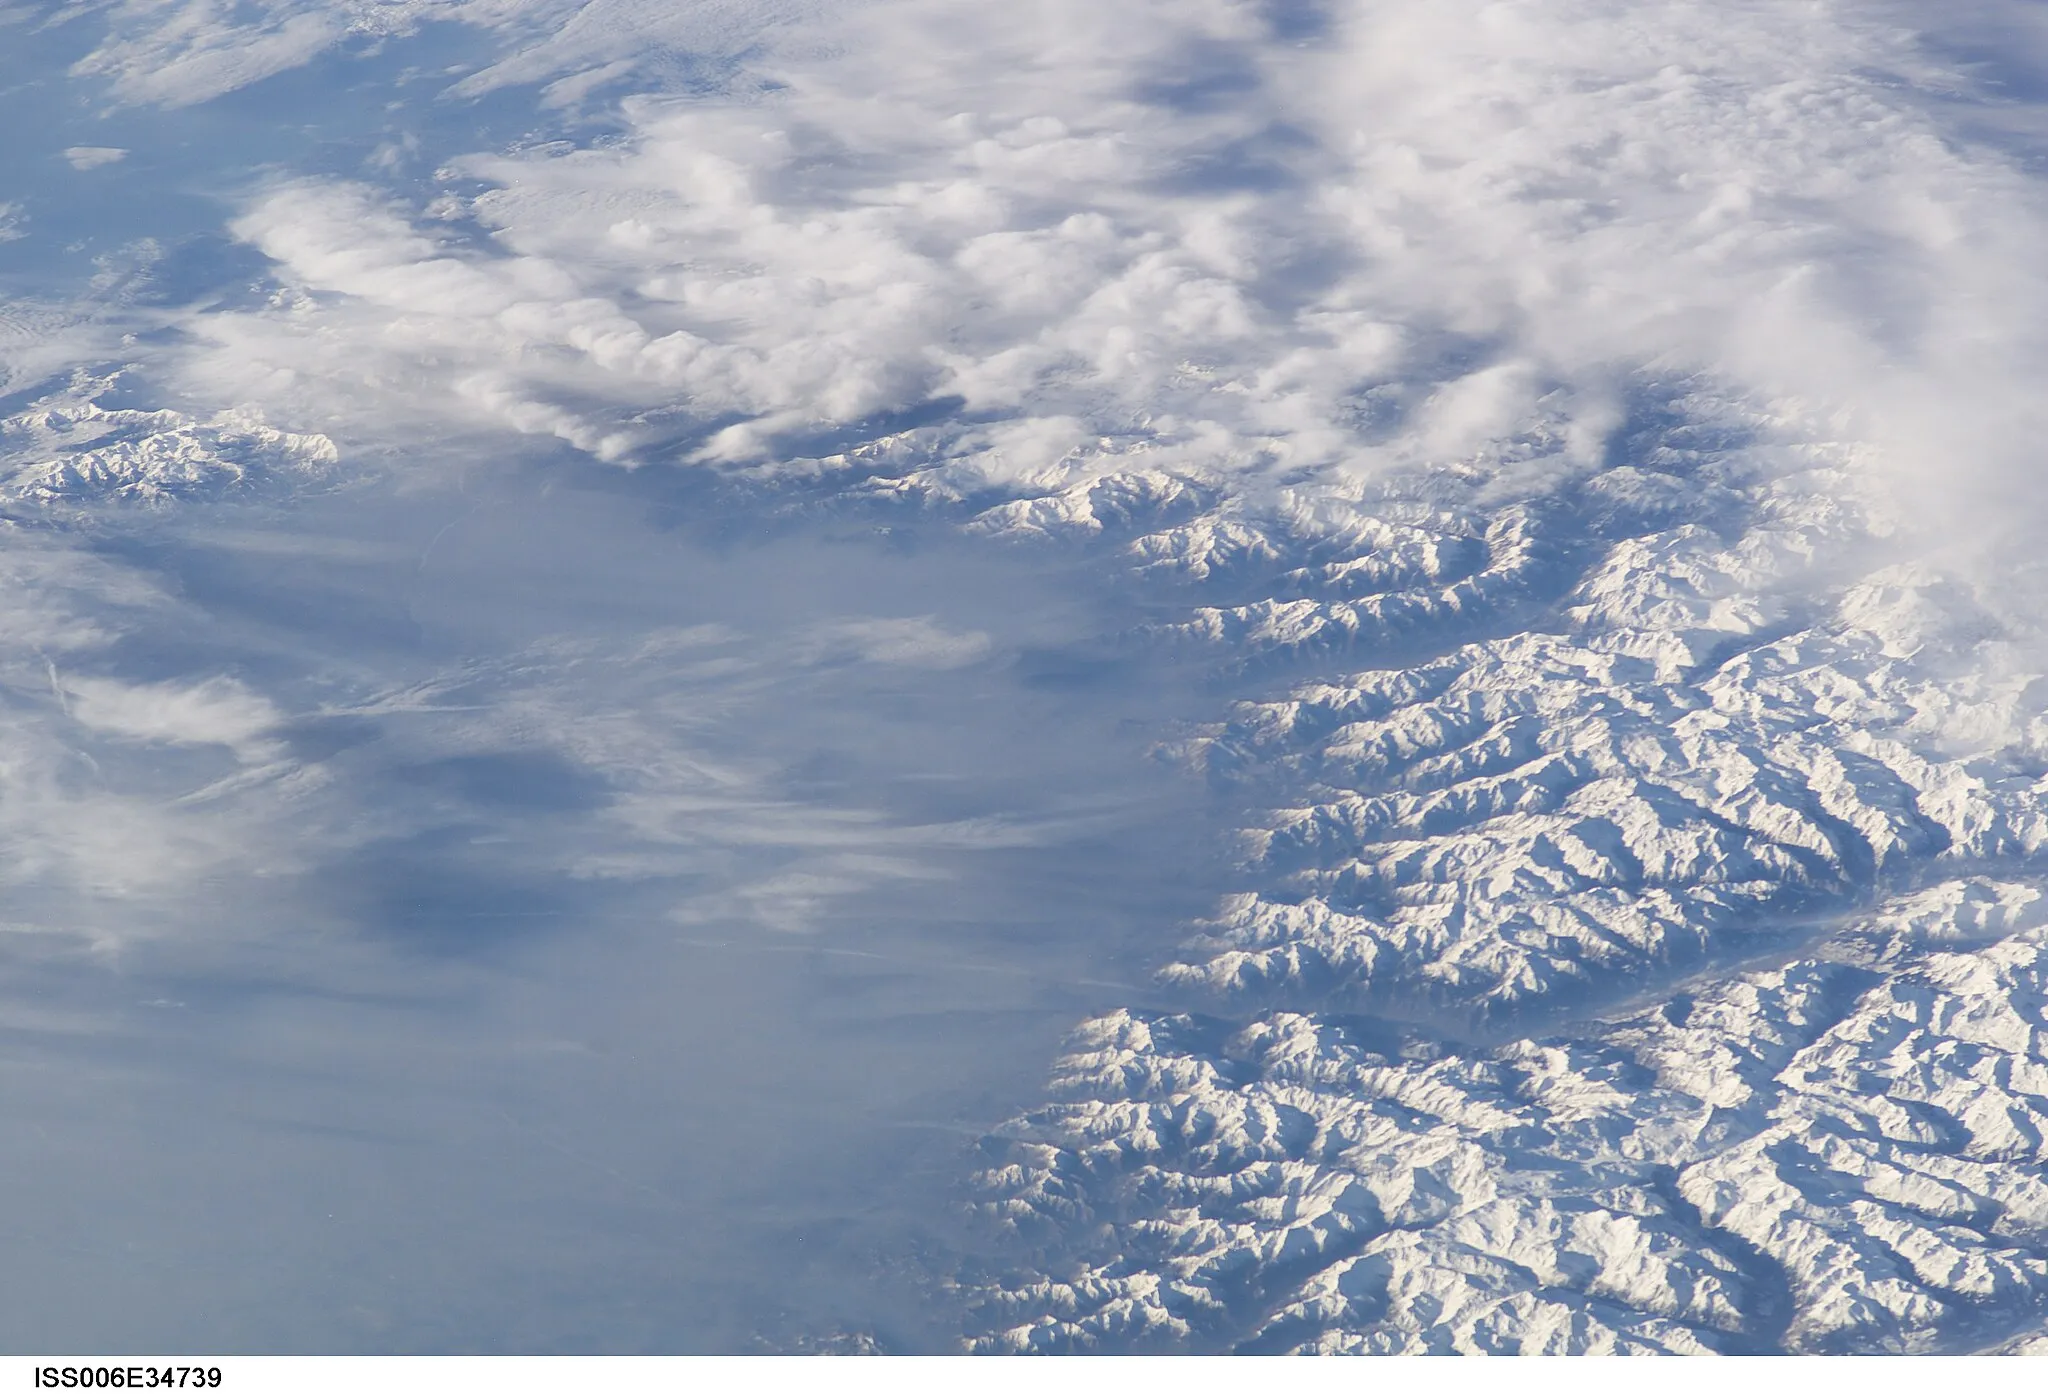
<point x="215" y="711"/>
<point x="93" y="840"/>
<point x="1065" y="247"/>
<point x="919" y="642"/>
<point x="1076" y="231"/>
<point x="195" y="51"/>
<point x="192" y="51"/>
<point x="82" y="157"/>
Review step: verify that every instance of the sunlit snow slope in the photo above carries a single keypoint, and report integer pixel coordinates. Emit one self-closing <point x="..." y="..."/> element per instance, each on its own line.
<point x="1735" y="830"/>
<point x="1578" y="462"/>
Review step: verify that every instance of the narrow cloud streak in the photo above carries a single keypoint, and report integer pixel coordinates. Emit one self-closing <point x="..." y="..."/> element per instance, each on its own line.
<point x="85" y="157"/>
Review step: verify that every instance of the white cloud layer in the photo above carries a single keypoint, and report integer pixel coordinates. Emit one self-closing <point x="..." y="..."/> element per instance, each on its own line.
<point x="1186" y="229"/>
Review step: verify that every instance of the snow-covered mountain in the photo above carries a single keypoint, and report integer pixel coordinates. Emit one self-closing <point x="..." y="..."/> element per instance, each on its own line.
<point x="712" y="484"/>
<point x="1648" y="960"/>
<point x="67" y="448"/>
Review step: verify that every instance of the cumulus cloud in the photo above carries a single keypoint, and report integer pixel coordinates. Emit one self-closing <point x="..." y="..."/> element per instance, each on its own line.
<point x="1186" y="229"/>
<point x="1065" y="241"/>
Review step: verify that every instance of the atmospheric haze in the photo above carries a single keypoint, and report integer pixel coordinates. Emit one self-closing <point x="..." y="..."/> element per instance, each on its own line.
<point x="1199" y="675"/>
